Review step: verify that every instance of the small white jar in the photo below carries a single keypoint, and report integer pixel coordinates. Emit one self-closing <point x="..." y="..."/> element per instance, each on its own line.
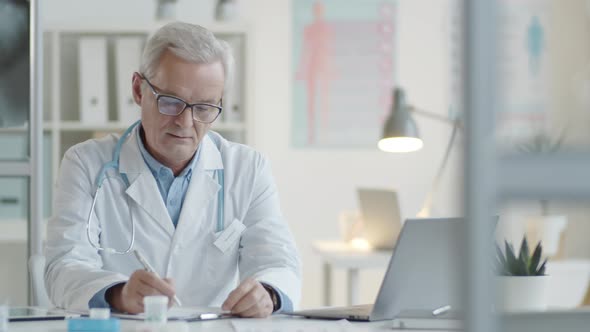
<point x="156" y="309"/>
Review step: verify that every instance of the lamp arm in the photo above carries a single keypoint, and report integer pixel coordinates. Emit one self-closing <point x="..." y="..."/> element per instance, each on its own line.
<point x="434" y="116"/>
<point x="427" y="206"/>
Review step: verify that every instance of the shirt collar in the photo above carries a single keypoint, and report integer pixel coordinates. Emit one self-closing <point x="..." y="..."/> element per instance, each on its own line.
<point x="155" y="166"/>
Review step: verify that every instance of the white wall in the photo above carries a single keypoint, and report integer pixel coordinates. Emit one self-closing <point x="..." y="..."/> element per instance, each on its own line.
<point x="315" y="185"/>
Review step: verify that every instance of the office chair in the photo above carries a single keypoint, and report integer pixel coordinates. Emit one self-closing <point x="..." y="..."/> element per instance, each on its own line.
<point x="37" y="271"/>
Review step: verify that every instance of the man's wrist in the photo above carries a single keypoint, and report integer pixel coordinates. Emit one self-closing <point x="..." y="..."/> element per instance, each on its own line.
<point x="276" y="301"/>
<point x="113" y="296"/>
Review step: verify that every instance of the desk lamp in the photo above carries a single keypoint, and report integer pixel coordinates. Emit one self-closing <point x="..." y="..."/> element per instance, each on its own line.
<point x="401" y="134"/>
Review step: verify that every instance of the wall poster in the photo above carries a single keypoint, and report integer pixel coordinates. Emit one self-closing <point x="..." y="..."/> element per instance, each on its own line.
<point x="343" y="71"/>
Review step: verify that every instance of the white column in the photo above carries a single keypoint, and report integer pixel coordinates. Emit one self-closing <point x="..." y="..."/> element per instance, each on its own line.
<point x="327" y="284"/>
<point x="353" y="286"/>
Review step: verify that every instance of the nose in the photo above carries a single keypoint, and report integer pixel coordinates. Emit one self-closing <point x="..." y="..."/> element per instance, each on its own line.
<point x="185" y="119"/>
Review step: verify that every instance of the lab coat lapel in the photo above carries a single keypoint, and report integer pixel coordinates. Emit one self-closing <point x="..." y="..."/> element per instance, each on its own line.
<point x="203" y="189"/>
<point x="143" y="188"/>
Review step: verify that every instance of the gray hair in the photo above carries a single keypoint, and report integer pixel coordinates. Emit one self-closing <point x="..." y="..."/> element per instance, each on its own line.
<point x="190" y="42"/>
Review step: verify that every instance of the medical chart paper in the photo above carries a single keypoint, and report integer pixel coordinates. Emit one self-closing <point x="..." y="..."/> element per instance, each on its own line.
<point x="183" y="313"/>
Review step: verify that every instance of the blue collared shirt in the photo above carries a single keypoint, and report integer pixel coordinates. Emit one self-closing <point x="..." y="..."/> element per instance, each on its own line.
<point x="173" y="190"/>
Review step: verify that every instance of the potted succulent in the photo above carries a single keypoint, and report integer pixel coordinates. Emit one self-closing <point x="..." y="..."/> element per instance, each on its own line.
<point x="521" y="281"/>
<point x="546" y="228"/>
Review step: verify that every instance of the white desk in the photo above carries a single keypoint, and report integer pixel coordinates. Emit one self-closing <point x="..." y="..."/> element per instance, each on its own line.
<point x="275" y="323"/>
<point x="343" y="255"/>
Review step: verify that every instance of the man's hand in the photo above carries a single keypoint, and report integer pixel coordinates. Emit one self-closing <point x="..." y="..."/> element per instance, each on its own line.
<point x="250" y="299"/>
<point x="128" y="297"/>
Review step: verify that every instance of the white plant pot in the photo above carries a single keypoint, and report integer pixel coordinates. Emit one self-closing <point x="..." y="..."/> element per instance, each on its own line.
<point x="569" y="282"/>
<point x="522" y="293"/>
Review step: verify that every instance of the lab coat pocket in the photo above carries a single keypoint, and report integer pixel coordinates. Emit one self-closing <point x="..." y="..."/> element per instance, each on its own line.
<point x="229" y="237"/>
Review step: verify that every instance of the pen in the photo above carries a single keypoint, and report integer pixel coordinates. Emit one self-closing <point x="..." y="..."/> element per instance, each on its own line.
<point x="149" y="268"/>
<point x="213" y="315"/>
<point x="441" y="310"/>
<point x="206" y="316"/>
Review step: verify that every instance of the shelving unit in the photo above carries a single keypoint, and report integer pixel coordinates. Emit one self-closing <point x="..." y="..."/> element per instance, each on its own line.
<point x="493" y="177"/>
<point x="62" y="125"/>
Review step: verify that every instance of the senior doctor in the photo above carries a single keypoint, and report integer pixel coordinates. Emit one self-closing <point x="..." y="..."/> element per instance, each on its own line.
<point x="203" y="211"/>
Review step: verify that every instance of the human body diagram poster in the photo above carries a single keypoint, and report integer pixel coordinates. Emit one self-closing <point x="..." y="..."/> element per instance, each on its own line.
<point x="343" y="71"/>
<point x="524" y="71"/>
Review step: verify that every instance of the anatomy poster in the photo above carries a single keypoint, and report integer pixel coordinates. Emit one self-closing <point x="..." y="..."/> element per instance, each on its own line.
<point x="343" y="71"/>
<point x="524" y="75"/>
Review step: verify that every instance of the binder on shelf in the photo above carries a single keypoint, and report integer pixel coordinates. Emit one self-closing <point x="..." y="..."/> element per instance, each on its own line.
<point x="233" y="106"/>
<point x="92" y="55"/>
<point x="127" y="57"/>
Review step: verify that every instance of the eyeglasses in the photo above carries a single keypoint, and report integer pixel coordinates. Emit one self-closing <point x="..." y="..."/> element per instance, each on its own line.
<point x="174" y="106"/>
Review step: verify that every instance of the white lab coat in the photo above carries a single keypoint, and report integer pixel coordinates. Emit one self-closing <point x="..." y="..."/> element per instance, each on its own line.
<point x="203" y="274"/>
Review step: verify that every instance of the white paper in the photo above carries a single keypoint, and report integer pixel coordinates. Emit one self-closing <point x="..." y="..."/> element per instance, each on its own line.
<point x="177" y="313"/>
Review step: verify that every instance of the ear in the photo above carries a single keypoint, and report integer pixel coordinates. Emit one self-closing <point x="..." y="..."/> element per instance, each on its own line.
<point x="136" y="81"/>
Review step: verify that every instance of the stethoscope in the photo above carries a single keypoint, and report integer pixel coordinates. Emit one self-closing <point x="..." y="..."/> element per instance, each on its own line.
<point x="114" y="164"/>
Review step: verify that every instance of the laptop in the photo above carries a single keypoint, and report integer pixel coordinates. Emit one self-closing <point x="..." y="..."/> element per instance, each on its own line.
<point x="381" y="217"/>
<point x="423" y="274"/>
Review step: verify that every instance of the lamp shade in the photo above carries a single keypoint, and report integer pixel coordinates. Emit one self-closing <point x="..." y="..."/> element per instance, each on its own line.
<point x="400" y="133"/>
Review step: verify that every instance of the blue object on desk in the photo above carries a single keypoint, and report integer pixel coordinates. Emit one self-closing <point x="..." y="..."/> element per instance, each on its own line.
<point x="93" y="325"/>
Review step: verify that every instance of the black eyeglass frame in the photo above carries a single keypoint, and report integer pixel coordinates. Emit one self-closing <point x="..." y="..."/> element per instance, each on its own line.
<point x="186" y="105"/>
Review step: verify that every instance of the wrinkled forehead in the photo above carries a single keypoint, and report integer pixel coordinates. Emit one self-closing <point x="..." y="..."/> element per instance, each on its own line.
<point x="192" y="82"/>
